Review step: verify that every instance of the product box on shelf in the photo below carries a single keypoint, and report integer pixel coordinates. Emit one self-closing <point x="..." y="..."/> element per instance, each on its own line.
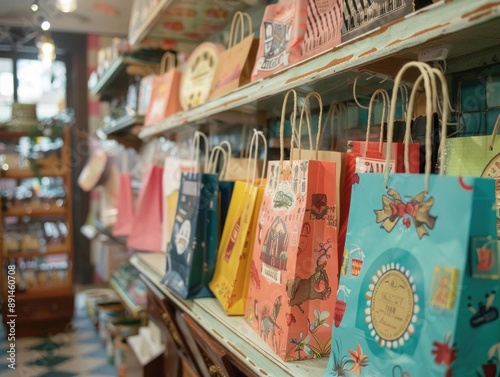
<point x="361" y="16"/>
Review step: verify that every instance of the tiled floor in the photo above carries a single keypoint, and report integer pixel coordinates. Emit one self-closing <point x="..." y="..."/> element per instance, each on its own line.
<point x="78" y="353"/>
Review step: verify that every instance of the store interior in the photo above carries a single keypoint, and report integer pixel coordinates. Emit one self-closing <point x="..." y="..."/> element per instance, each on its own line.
<point x="249" y="188"/>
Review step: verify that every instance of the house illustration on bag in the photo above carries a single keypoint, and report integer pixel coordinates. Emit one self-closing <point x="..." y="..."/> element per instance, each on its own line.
<point x="274" y="251"/>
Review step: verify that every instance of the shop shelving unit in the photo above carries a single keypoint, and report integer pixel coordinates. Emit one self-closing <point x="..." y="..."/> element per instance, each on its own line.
<point x="44" y="298"/>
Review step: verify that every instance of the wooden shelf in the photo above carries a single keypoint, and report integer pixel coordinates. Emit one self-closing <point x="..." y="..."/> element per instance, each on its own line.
<point x="46" y="292"/>
<point x="28" y="173"/>
<point x="12" y="135"/>
<point x="238" y="335"/>
<point x="50" y="250"/>
<point x="468" y="29"/>
<point x="18" y="211"/>
<point x="122" y="124"/>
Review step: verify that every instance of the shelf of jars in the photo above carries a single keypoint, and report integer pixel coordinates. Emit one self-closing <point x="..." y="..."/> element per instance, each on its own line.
<point x="42" y="276"/>
<point x="468" y="30"/>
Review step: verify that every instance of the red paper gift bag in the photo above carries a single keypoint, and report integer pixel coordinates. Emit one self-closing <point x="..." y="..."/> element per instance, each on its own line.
<point x="124" y="206"/>
<point x="146" y="231"/>
<point x="164" y="100"/>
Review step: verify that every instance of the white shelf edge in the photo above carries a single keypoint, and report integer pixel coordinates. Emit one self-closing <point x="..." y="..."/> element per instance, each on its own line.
<point x="148" y="23"/>
<point x="237" y="334"/>
<point x="348" y="56"/>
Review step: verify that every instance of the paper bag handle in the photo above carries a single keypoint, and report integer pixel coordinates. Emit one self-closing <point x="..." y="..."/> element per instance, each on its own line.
<point x="167" y="62"/>
<point x="213" y="161"/>
<point x="195" y="152"/>
<point x="430" y="87"/>
<point x="293" y="118"/>
<point x="334" y="114"/>
<point x="239" y="19"/>
<point x="386" y="108"/>
<point x="494" y="134"/>
<point x="252" y="158"/>
<point x="307" y="100"/>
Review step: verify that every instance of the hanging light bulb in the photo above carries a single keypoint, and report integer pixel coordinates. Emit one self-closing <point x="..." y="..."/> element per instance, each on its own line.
<point x="46" y="50"/>
<point x="66" y="6"/>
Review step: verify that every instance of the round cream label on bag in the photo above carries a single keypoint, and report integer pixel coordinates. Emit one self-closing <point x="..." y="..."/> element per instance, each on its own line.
<point x="198" y="75"/>
<point x="392" y="306"/>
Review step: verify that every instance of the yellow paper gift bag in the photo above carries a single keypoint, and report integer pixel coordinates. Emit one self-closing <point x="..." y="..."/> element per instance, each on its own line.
<point x="232" y="270"/>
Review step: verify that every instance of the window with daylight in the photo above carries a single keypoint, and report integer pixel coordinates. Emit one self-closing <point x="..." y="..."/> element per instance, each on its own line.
<point x="30" y="81"/>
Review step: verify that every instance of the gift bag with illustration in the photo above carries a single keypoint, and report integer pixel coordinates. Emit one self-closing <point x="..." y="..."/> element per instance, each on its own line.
<point x="324" y="26"/>
<point x="192" y="250"/>
<point x="325" y="155"/>
<point x="476" y="156"/>
<point x="410" y="301"/>
<point x="164" y="100"/>
<point x="294" y="268"/>
<point x="232" y="270"/>
<point x="235" y="64"/>
<point x="281" y="34"/>
<point x="172" y="170"/>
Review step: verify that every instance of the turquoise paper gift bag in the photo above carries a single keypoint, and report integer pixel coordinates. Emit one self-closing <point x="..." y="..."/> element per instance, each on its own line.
<point x="419" y="282"/>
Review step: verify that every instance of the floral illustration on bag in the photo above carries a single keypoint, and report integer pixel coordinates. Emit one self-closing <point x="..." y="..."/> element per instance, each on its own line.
<point x="320" y="210"/>
<point x="341" y="304"/>
<point x="273" y="253"/>
<point x="267" y="320"/>
<point x="417" y="209"/>
<point x="290" y="319"/>
<point x="311" y="345"/>
<point x="316" y="286"/>
<point x="344" y="366"/>
<point x="392" y="306"/>
<point x="485" y="312"/>
<point x="444" y="354"/>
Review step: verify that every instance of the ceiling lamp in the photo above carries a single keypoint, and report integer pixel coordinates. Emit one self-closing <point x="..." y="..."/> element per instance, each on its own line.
<point x="66" y="6"/>
<point x="46" y="49"/>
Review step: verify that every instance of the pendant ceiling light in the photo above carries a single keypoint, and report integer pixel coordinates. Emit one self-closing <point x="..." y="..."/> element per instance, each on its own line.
<point x="66" y="6"/>
<point x="46" y="49"/>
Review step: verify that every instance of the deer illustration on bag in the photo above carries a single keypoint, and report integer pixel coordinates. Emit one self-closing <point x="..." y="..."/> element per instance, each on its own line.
<point x="316" y="287"/>
<point x="268" y="321"/>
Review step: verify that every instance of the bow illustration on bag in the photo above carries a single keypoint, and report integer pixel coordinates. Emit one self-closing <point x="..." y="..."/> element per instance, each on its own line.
<point x="417" y="209"/>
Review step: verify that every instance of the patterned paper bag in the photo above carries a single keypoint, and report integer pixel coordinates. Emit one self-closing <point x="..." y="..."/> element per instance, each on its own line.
<point x="295" y="263"/>
<point x="232" y="270"/>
